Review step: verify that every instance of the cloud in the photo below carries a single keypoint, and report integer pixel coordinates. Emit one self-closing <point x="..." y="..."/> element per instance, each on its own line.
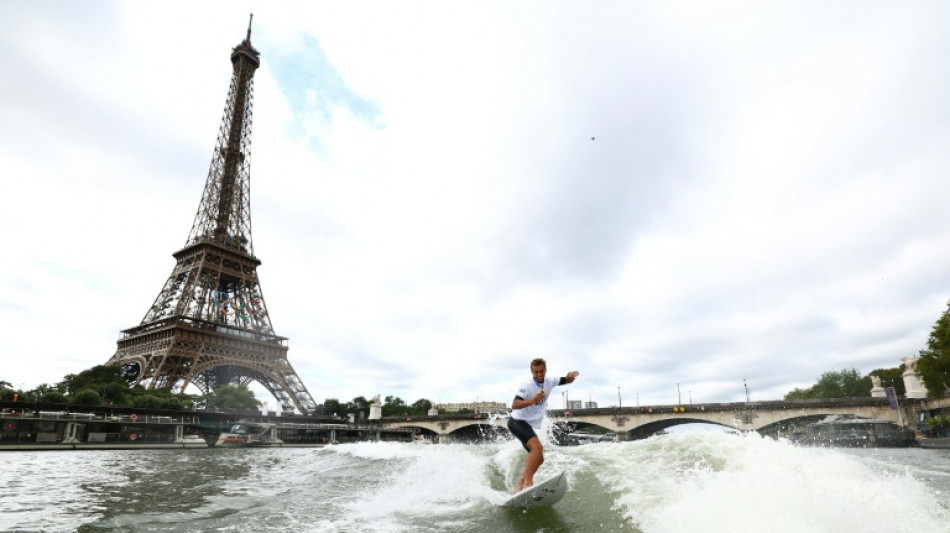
<point x="653" y="194"/>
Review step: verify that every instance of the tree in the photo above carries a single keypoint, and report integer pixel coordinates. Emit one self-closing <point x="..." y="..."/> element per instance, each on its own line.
<point x="394" y="407"/>
<point x="87" y="397"/>
<point x="233" y="397"/>
<point x="6" y="391"/>
<point x="147" y="401"/>
<point x="933" y="364"/>
<point x="53" y="396"/>
<point x="799" y="394"/>
<point x="117" y="393"/>
<point x="357" y="405"/>
<point x="835" y="384"/>
<point x="172" y="403"/>
<point x="847" y="383"/>
<point x="332" y="406"/>
<point x="891" y="377"/>
<point x="420" y="407"/>
<point x="96" y="378"/>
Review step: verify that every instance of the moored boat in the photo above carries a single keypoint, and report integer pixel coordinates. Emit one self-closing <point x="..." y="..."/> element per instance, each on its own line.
<point x="246" y="433"/>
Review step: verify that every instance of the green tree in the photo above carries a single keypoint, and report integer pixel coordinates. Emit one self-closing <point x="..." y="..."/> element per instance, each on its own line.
<point x="233" y="397"/>
<point x="173" y="403"/>
<point x="86" y="397"/>
<point x="332" y="406"/>
<point x="933" y="364"/>
<point x="394" y="407"/>
<point x="147" y="401"/>
<point x="420" y="407"/>
<point x="38" y="393"/>
<point x="53" y="396"/>
<point x="116" y="392"/>
<point x="800" y="394"/>
<point x="847" y="383"/>
<point x="357" y="405"/>
<point x="6" y="391"/>
<point x="835" y="384"/>
<point x="891" y="377"/>
<point x="94" y="378"/>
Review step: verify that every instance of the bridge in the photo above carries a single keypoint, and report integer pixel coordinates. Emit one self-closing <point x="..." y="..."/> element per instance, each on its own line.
<point x="631" y="423"/>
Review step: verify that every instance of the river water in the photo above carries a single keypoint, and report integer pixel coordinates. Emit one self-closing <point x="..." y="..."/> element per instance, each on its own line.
<point x="695" y="481"/>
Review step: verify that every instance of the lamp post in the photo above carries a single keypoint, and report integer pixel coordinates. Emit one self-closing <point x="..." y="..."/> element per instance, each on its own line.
<point x="679" y="397"/>
<point x="619" y="403"/>
<point x="747" y="397"/>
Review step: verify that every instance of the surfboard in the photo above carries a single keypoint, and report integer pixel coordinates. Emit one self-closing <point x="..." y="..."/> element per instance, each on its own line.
<point x="544" y="494"/>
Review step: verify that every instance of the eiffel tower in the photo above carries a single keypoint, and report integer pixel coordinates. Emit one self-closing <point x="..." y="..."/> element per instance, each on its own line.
<point x="209" y="325"/>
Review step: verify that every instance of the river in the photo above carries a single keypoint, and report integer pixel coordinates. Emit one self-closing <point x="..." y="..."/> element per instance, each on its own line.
<point x="693" y="481"/>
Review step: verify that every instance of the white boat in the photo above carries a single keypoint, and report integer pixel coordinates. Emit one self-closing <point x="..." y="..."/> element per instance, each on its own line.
<point x="249" y="434"/>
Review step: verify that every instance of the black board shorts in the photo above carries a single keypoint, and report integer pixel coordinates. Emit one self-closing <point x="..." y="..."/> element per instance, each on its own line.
<point x="522" y="430"/>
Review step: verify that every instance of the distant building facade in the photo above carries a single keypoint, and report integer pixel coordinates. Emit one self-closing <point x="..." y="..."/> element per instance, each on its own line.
<point x="477" y="407"/>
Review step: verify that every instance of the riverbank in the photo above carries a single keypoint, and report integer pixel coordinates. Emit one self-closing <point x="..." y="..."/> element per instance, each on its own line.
<point x="103" y="428"/>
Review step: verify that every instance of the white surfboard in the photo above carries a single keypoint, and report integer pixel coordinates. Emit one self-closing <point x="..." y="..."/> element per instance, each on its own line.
<point x="544" y="494"/>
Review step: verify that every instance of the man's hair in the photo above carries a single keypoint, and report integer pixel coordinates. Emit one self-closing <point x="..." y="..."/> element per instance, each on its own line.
<point x="538" y="362"/>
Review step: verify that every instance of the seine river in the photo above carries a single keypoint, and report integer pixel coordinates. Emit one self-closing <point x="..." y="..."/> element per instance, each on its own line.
<point x="696" y="481"/>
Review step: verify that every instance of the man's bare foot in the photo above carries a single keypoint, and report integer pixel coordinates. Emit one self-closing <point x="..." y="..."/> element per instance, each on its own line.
<point x="521" y="486"/>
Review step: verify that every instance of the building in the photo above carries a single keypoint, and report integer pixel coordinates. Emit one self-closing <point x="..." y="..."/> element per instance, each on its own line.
<point x="476" y="407"/>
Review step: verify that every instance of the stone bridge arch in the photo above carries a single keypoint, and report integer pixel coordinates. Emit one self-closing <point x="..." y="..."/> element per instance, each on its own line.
<point x="639" y="422"/>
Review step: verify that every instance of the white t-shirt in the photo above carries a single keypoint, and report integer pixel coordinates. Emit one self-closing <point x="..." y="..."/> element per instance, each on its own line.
<point x="534" y="414"/>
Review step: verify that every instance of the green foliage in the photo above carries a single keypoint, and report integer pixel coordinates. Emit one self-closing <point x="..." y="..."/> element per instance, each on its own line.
<point x="116" y="392"/>
<point x="835" y="384"/>
<point x="232" y="397"/>
<point x="147" y="401"/>
<point x="798" y="394"/>
<point x="421" y="407"/>
<point x="6" y="391"/>
<point x="843" y="384"/>
<point x="332" y="406"/>
<point x="891" y="377"/>
<point x="358" y="405"/>
<point x="172" y="403"/>
<point x="53" y="396"/>
<point x="87" y="397"/>
<point x="937" y="422"/>
<point x="933" y="364"/>
<point x="393" y="406"/>
<point x="94" y="378"/>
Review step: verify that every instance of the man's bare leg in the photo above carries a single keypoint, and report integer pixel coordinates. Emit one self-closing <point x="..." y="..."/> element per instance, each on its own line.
<point x="531" y="464"/>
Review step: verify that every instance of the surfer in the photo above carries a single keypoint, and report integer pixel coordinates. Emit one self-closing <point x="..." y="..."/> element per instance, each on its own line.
<point x="527" y="412"/>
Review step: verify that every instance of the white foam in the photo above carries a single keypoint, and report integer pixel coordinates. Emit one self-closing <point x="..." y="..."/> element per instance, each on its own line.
<point x="707" y="481"/>
<point x="437" y="481"/>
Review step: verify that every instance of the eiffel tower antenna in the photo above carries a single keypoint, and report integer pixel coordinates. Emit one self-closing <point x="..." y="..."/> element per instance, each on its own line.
<point x="209" y="325"/>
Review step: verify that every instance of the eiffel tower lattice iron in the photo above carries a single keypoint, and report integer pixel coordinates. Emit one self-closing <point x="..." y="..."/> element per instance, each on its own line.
<point x="209" y="325"/>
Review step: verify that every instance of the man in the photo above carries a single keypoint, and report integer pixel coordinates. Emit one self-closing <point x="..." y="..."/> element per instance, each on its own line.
<point x="527" y="412"/>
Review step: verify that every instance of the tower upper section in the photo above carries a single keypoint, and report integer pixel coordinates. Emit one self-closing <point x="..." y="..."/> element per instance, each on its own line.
<point x="224" y="215"/>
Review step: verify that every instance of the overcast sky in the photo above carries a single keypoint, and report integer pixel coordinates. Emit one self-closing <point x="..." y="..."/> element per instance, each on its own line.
<point x="651" y="193"/>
